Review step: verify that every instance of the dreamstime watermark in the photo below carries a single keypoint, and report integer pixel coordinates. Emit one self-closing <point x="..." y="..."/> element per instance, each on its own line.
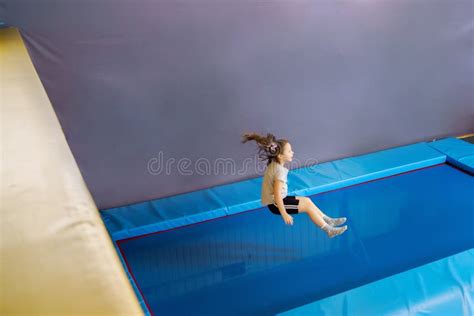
<point x="160" y="165"/>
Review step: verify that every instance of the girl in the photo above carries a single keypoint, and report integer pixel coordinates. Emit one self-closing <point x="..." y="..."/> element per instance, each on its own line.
<point x="275" y="196"/>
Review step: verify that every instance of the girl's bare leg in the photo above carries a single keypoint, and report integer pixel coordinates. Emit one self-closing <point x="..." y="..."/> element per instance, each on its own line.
<point x="311" y="205"/>
<point x="305" y="205"/>
<point x="308" y="203"/>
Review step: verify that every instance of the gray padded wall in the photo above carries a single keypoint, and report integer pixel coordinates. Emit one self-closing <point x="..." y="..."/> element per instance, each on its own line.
<point x="131" y="79"/>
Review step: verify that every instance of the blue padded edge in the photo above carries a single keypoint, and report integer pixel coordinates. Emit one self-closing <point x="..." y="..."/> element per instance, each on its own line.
<point x="141" y="301"/>
<point x="459" y="153"/>
<point x="443" y="287"/>
<point x="184" y="209"/>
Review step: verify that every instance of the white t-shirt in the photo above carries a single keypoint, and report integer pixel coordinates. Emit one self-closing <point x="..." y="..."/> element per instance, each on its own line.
<point x="273" y="172"/>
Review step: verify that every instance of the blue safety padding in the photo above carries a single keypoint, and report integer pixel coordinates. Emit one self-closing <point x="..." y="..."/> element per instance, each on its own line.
<point x="349" y="171"/>
<point x="141" y="301"/>
<point x="184" y="209"/>
<point x="443" y="287"/>
<point x="162" y="214"/>
<point x="459" y="153"/>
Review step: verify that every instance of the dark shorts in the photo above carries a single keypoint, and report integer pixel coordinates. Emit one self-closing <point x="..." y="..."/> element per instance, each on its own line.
<point x="291" y="205"/>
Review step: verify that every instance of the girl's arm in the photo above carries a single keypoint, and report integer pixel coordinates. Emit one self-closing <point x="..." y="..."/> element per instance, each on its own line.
<point x="279" y="202"/>
<point x="277" y="185"/>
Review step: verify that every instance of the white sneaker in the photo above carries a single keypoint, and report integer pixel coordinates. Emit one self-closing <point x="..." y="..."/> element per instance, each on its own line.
<point x="335" y="231"/>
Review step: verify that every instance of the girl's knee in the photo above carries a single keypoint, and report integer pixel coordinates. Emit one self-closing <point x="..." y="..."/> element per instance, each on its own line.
<point x="303" y="200"/>
<point x="303" y="203"/>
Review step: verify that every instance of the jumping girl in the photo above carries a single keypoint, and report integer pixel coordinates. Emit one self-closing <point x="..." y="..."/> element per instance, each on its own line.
<point x="275" y="196"/>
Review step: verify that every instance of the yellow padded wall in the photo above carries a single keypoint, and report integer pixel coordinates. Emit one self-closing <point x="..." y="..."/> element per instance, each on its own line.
<point x="56" y="256"/>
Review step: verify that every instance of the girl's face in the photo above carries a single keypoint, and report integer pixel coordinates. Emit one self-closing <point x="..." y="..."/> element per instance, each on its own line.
<point x="287" y="154"/>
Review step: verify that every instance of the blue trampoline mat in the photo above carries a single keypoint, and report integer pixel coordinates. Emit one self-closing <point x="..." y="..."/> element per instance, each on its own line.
<point x="252" y="263"/>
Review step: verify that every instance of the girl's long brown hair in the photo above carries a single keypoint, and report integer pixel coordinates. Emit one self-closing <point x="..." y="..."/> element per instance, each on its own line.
<point x="268" y="146"/>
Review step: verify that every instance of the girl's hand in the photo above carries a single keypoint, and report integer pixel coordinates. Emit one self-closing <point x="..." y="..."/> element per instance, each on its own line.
<point x="288" y="219"/>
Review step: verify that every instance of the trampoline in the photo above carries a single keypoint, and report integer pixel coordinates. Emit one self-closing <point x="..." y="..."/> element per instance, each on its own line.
<point x="250" y="263"/>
